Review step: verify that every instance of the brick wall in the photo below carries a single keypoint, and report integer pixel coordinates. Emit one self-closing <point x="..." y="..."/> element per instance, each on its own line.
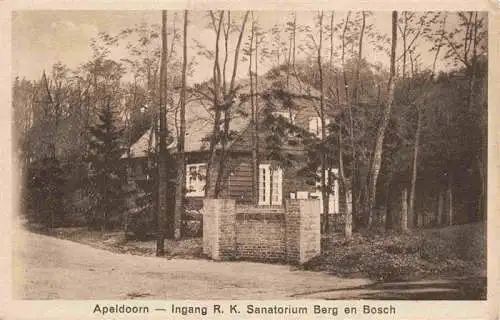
<point x="290" y="233"/>
<point x="260" y="233"/>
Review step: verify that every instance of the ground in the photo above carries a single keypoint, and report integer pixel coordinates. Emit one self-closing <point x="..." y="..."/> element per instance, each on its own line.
<point x="51" y="268"/>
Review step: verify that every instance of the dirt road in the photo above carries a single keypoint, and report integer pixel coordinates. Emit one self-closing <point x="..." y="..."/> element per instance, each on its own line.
<point x="50" y="268"/>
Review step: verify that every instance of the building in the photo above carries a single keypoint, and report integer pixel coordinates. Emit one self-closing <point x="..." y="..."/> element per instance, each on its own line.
<point x="276" y="182"/>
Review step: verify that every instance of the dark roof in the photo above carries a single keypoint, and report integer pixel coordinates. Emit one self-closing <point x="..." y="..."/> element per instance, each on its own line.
<point x="199" y="120"/>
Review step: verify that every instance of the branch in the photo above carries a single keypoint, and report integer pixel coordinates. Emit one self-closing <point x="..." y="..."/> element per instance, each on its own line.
<point x="237" y="52"/>
<point x="454" y="49"/>
<point x="226" y="38"/>
<point x="412" y="41"/>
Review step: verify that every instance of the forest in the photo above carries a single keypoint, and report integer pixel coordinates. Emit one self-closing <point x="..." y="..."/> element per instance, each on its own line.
<point x="402" y="100"/>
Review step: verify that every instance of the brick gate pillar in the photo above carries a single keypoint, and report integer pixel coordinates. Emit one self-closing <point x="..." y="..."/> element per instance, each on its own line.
<point x="219" y="218"/>
<point x="303" y="233"/>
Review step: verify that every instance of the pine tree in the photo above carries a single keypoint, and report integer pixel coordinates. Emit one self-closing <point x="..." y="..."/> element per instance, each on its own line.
<point x="107" y="175"/>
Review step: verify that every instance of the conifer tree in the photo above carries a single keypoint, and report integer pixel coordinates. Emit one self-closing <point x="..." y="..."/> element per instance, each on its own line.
<point x="107" y="174"/>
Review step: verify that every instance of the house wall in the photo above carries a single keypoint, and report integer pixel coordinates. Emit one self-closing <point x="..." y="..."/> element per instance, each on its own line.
<point x="237" y="184"/>
<point x="272" y="234"/>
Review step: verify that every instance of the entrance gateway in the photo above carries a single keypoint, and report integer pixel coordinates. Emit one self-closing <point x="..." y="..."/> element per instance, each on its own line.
<point x="289" y="233"/>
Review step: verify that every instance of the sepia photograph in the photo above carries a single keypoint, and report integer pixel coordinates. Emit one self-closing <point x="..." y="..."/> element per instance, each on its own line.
<point x="249" y="155"/>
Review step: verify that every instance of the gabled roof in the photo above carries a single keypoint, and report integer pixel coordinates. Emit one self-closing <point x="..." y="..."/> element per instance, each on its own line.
<point x="199" y="125"/>
<point x="199" y="120"/>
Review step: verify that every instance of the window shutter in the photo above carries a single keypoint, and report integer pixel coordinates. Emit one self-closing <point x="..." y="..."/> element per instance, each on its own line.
<point x="264" y="184"/>
<point x="277" y="191"/>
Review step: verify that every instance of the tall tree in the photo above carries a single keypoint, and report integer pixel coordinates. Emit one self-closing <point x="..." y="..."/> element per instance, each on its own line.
<point x="386" y="113"/>
<point x="323" y="166"/>
<point x="352" y="187"/>
<point x="416" y="32"/>
<point x="107" y="175"/>
<point x="162" y="163"/>
<point x="254" y="122"/>
<point x="223" y="103"/>
<point x="181" y="160"/>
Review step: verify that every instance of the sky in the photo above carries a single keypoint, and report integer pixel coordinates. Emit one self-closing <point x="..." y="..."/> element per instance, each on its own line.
<point x="41" y="38"/>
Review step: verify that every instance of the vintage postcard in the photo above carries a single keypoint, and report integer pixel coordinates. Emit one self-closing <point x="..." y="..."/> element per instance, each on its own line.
<point x="256" y="160"/>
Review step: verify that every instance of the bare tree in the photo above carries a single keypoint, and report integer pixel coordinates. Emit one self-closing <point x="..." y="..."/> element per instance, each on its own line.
<point x="181" y="159"/>
<point x="162" y="163"/>
<point x="254" y="119"/>
<point x="223" y="100"/>
<point x="378" y="150"/>
<point x="323" y="167"/>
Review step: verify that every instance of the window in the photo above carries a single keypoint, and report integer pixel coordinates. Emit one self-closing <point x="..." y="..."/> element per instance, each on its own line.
<point x="270" y="185"/>
<point x="195" y="179"/>
<point x="315" y="126"/>
<point x="333" y="197"/>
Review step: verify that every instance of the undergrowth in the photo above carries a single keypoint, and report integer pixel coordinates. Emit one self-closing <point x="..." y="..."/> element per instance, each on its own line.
<point x="456" y="251"/>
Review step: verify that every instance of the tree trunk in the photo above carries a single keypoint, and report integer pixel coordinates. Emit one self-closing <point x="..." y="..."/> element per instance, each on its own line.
<point x="440" y="208"/>
<point x="162" y="163"/>
<point x="481" y="97"/>
<point x="482" y="160"/>
<point x="416" y="146"/>
<point x="403" y="36"/>
<point x="344" y="189"/>
<point x="181" y="159"/>
<point x="227" y="106"/>
<point x="404" y="210"/>
<point x="294" y="40"/>
<point x="357" y="79"/>
<point x="256" y="122"/>
<point x="348" y="216"/>
<point x="324" y="191"/>
<point x="388" y="217"/>
<point x="420" y="221"/>
<point x="484" y="186"/>
<point x="450" y="199"/>
<point x="355" y="97"/>
<point x="255" y="166"/>
<point x="354" y="169"/>
<point x="377" y="154"/>
<point x="331" y="40"/>
<point x="210" y="185"/>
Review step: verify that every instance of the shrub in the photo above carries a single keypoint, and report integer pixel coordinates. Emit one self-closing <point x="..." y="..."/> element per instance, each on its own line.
<point x="141" y="225"/>
<point x="45" y="193"/>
